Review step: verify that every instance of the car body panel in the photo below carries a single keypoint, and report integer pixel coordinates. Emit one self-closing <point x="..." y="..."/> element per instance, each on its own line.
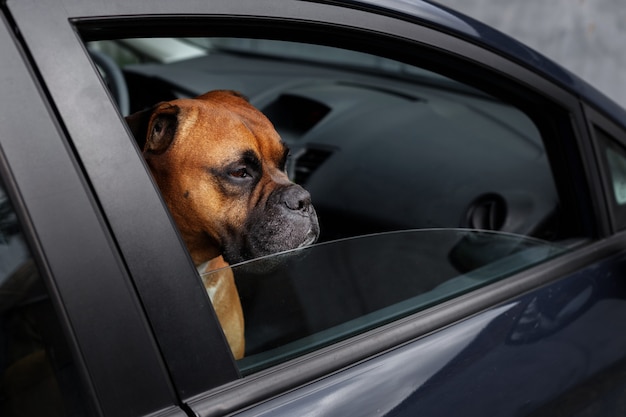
<point x="132" y="207"/>
<point x="61" y="218"/>
<point x="451" y="317"/>
<point x="544" y="347"/>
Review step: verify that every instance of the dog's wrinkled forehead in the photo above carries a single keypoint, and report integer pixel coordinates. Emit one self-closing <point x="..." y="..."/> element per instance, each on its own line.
<point x="225" y="117"/>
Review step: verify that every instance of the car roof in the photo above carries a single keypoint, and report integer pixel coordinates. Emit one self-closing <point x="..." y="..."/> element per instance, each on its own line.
<point x="448" y="20"/>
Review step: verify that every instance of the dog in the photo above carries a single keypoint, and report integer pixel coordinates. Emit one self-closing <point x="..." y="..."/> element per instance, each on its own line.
<point x="220" y="166"/>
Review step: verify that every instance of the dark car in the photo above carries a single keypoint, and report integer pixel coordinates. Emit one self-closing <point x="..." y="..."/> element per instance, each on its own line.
<point x="471" y="198"/>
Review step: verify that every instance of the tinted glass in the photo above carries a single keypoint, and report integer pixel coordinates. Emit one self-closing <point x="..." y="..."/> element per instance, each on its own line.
<point x="614" y="157"/>
<point x="37" y="377"/>
<point x="308" y="298"/>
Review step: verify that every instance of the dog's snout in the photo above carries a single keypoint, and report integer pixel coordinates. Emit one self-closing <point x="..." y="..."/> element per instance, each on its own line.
<point x="296" y="198"/>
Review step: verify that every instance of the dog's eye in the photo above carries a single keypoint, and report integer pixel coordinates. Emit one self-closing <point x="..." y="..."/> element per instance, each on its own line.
<point x="240" y="173"/>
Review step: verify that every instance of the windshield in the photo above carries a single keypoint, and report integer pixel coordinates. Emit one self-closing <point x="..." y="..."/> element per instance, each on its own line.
<point x="300" y="300"/>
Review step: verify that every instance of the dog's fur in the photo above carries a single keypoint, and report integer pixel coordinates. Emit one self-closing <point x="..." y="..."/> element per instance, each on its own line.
<point x="220" y="166"/>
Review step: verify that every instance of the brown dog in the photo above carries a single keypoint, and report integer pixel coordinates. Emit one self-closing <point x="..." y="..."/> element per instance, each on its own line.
<point x="220" y="166"/>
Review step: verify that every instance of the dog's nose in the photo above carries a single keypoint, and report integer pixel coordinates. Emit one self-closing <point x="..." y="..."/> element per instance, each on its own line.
<point x="296" y="198"/>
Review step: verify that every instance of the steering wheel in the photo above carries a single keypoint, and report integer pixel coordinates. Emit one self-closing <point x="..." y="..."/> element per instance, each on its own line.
<point x="114" y="79"/>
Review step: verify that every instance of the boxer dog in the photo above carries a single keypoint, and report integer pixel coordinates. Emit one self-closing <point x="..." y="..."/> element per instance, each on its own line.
<point x="220" y="166"/>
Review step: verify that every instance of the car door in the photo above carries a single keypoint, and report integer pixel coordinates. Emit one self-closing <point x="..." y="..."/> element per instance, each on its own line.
<point x="74" y="338"/>
<point x="413" y="358"/>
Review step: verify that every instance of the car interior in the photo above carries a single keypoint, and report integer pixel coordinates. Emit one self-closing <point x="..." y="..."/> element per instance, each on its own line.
<point x="420" y="181"/>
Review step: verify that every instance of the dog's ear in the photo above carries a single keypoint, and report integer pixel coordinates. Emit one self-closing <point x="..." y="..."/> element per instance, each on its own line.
<point x="138" y="124"/>
<point x="162" y="128"/>
<point x="154" y="129"/>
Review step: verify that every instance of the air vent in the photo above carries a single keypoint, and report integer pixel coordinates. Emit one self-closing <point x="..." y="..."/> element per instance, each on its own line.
<point x="307" y="162"/>
<point x="487" y="212"/>
<point x="293" y="115"/>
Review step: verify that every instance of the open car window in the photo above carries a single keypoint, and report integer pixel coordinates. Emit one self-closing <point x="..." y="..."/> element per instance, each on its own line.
<point x="380" y="146"/>
<point x="426" y="187"/>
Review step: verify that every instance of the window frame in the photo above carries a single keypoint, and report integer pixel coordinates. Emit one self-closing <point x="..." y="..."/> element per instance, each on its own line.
<point x="55" y="224"/>
<point x="154" y="285"/>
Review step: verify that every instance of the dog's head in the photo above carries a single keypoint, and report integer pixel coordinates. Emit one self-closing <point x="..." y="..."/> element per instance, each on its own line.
<point x="220" y="166"/>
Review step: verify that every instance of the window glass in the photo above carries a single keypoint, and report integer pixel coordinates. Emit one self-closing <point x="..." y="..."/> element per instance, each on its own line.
<point x="36" y="373"/>
<point x="319" y="295"/>
<point x="617" y="166"/>
<point x="614" y="157"/>
<point x="425" y="187"/>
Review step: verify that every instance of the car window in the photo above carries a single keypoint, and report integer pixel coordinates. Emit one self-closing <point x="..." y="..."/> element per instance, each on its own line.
<point x="308" y="298"/>
<point x="425" y="186"/>
<point x="617" y="166"/>
<point x="614" y="157"/>
<point x="37" y="376"/>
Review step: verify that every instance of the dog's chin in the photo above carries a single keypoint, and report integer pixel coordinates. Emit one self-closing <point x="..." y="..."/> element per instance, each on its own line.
<point x="310" y="239"/>
<point x="266" y="255"/>
<point x="271" y="263"/>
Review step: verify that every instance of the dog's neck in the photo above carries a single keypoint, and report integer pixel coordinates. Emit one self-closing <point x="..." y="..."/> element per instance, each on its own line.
<point x="201" y="248"/>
